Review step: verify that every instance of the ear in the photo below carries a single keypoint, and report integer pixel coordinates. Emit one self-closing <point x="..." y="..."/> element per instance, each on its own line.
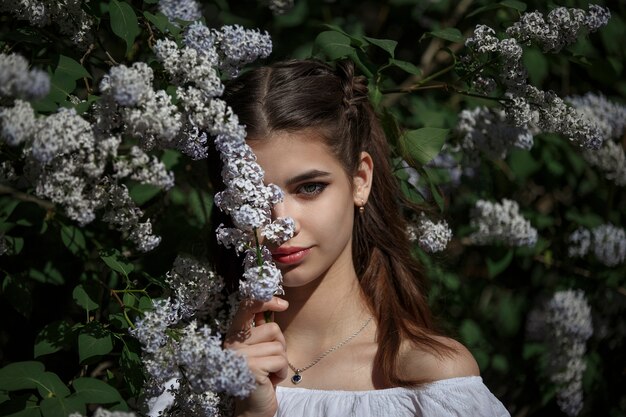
<point x="362" y="180"/>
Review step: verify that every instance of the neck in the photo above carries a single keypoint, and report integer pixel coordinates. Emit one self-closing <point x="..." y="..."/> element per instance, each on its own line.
<point x="322" y="313"/>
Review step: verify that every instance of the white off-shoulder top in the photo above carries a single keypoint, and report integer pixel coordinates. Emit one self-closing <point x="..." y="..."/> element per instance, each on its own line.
<point x="454" y="397"/>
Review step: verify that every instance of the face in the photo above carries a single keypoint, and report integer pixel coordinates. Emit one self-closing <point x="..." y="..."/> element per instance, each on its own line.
<point x="319" y="196"/>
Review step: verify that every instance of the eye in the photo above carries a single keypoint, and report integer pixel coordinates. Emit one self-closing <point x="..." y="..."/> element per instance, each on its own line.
<point x="311" y="189"/>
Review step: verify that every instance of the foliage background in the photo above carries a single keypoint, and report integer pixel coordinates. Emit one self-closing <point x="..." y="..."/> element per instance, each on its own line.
<point x="66" y="289"/>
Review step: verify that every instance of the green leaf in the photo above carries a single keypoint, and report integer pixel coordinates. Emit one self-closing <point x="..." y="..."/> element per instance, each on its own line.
<point x="131" y="365"/>
<point x="61" y="85"/>
<point x="435" y="191"/>
<point x="52" y="338"/>
<point x="513" y="4"/>
<point x="449" y="34"/>
<point x="84" y="296"/>
<point x="425" y="143"/>
<point x="159" y="20"/>
<point x="500" y="363"/>
<point x="73" y="239"/>
<point x="496" y="267"/>
<point x="334" y="45"/>
<point x="17" y="293"/>
<point x="62" y="407"/>
<point x="94" y="391"/>
<point x="470" y="333"/>
<point x="114" y="260"/>
<point x="124" y="22"/>
<point x="387" y="45"/>
<point x="522" y="164"/>
<point x="537" y="64"/>
<point x="71" y="68"/>
<point x="21" y="375"/>
<point x="406" y="66"/>
<point x="7" y="205"/>
<point x="142" y="193"/>
<point x="93" y="341"/>
<point x="50" y="385"/>
<point x="24" y="405"/>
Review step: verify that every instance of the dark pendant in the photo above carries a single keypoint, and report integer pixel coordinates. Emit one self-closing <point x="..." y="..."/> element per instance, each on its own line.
<point x="296" y="379"/>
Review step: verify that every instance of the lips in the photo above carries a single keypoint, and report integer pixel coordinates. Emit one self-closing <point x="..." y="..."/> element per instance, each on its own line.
<point x="290" y="255"/>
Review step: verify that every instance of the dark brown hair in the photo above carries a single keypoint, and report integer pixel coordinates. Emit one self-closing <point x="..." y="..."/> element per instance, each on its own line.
<point x="297" y="95"/>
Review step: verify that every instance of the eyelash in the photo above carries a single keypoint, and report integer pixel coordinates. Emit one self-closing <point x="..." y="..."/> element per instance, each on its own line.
<point x="319" y="187"/>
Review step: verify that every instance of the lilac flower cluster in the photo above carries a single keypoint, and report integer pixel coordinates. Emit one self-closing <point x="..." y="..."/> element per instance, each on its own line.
<point x="610" y="118"/>
<point x="564" y="324"/>
<point x="430" y="236"/>
<point x="67" y="15"/>
<point x="230" y="47"/>
<point x="607" y="242"/>
<point x="486" y="130"/>
<point x="501" y="222"/>
<point x="196" y="286"/>
<point x="180" y="354"/>
<point x="16" y="80"/>
<point x="279" y="7"/>
<point x="248" y="201"/>
<point x="187" y="10"/>
<point x="65" y="161"/>
<point x="560" y="28"/>
<point x="526" y="106"/>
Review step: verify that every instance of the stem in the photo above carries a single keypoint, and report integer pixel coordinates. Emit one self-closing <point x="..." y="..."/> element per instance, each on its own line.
<point x="26" y="197"/>
<point x="123" y="307"/>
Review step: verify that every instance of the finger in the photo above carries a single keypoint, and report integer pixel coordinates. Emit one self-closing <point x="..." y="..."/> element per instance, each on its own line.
<point x="268" y="332"/>
<point x="263" y="367"/>
<point x="248" y="308"/>
<point x="264" y="317"/>
<point x="262" y="349"/>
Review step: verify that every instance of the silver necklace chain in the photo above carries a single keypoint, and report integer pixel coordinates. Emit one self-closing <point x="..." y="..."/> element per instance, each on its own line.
<point x="297" y="378"/>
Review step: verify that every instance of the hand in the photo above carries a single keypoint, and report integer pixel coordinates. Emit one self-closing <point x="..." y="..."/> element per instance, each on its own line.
<point x="265" y="350"/>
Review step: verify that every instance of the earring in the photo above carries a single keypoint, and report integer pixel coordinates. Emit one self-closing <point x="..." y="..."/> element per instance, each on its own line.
<point x="362" y="207"/>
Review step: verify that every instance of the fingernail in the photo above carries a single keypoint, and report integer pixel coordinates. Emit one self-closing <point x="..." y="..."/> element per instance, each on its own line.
<point x="281" y="302"/>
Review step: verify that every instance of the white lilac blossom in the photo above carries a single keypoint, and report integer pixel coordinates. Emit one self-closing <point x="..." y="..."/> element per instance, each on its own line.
<point x="186" y="66"/>
<point x="610" y="118"/>
<point x="188" y="10"/>
<point x="16" y="80"/>
<point x="485" y="130"/>
<point x="238" y="46"/>
<point x="155" y="122"/>
<point x="4" y="247"/>
<point x="607" y="243"/>
<point x="261" y="282"/>
<point x="7" y="172"/>
<point x="139" y="166"/>
<point x="279" y="7"/>
<point x="150" y="329"/>
<point x="68" y="16"/>
<point x="196" y="286"/>
<point x="560" y="28"/>
<point x="568" y="327"/>
<point x="228" y="48"/>
<point x="279" y="231"/>
<point x="501" y="222"/>
<point x="17" y="123"/>
<point x="128" y="86"/>
<point x="527" y="107"/>
<point x="430" y="236"/>
<point x="609" y="159"/>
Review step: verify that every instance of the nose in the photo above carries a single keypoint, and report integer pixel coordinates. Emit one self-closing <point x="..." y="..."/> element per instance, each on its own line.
<point x="285" y="209"/>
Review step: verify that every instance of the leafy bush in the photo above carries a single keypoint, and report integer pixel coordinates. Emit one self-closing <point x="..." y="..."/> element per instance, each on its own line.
<point x="515" y="135"/>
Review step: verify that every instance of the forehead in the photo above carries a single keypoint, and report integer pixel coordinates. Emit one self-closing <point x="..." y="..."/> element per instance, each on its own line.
<point x="285" y="154"/>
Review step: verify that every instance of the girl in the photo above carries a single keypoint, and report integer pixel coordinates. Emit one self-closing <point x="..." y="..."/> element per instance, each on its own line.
<point x="353" y="334"/>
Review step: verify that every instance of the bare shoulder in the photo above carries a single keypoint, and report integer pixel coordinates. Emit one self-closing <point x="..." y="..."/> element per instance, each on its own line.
<point x="422" y="364"/>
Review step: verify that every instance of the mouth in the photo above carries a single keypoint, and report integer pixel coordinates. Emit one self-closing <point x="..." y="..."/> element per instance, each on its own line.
<point x="287" y="256"/>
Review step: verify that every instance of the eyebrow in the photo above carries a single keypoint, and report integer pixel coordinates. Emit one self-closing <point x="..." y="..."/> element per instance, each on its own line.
<point x="309" y="175"/>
